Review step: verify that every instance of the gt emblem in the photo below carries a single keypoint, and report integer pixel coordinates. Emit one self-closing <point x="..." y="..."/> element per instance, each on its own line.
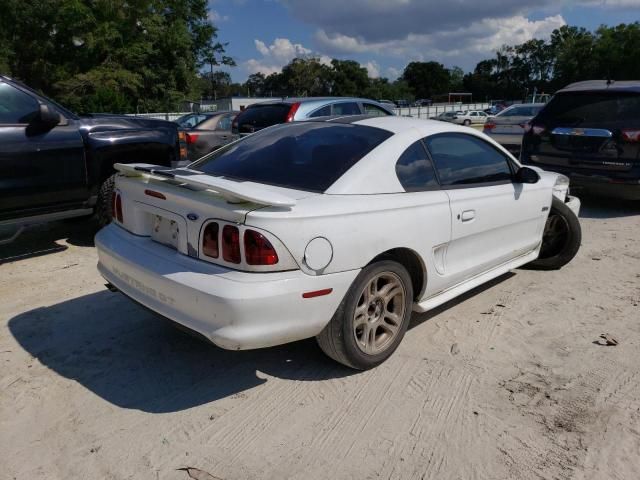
<point x="192" y="216"/>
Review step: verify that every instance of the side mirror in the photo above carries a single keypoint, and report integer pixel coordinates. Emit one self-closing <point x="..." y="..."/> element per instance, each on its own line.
<point x="527" y="175"/>
<point x="46" y="117"/>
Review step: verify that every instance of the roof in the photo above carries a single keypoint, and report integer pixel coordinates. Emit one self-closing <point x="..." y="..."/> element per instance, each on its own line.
<point x="396" y="124"/>
<point x="632" y="86"/>
<point x="290" y="100"/>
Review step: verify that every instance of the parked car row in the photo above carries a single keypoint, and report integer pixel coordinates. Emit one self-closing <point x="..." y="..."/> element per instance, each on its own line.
<point x="306" y="225"/>
<point x="507" y="127"/>
<point x="462" y="118"/>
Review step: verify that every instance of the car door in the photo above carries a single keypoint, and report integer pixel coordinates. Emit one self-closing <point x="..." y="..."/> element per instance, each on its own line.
<point x="494" y="219"/>
<point x="416" y="174"/>
<point x="40" y="167"/>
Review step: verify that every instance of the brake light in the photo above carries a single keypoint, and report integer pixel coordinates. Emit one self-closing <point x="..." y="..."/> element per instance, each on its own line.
<point x="631" y="135"/>
<point x="292" y="112"/>
<point x="191" y="138"/>
<point x="258" y="250"/>
<point x="231" y="244"/>
<point x="118" y="208"/>
<point x="534" y="129"/>
<point x="489" y="126"/>
<point x="210" y="240"/>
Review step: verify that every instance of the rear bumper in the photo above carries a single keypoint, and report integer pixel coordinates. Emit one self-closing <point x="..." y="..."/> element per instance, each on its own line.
<point x="606" y="187"/>
<point x="235" y="310"/>
<point x="623" y="185"/>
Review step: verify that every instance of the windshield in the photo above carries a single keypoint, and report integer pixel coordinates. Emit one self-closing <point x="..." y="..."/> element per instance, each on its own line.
<point x="308" y="156"/>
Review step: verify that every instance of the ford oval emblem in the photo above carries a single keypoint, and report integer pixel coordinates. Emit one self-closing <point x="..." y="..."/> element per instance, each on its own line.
<point x="192" y="216"/>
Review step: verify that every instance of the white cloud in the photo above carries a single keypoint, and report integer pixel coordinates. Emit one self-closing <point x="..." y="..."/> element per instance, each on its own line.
<point x="465" y="44"/>
<point x="373" y="69"/>
<point x="215" y="17"/>
<point x="612" y="3"/>
<point x="277" y="55"/>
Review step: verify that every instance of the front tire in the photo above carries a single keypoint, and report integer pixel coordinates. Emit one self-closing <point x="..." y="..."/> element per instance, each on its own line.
<point x="560" y="239"/>
<point x="372" y="319"/>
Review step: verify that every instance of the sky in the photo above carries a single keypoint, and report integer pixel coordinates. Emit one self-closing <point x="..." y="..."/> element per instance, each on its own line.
<point x="385" y="35"/>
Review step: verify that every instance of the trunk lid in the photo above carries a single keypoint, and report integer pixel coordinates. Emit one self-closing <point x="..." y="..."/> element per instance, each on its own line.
<point x="585" y="130"/>
<point x="172" y="205"/>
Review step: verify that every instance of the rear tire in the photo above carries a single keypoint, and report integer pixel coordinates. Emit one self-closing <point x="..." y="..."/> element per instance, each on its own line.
<point x="561" y="238"/>
<point x="467" y="123"/>
<point x="104" y="204"/>
<point x="372" y="319"/>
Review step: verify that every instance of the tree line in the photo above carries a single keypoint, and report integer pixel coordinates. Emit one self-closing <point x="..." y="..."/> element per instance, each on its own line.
<point x="125" y="56"/>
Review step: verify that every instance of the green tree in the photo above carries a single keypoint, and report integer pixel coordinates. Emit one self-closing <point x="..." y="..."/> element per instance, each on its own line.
<point x="119" y="55"/>
<point x="348" y="78"/>
<point x="426" y="79"/>
<point x="255" y="84"/>
<point x="307" y="77"/>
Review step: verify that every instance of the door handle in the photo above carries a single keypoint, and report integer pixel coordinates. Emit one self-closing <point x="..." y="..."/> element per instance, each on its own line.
<point x="468" y="215"/>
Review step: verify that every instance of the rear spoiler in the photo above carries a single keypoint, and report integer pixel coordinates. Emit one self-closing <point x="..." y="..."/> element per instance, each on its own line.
<point x="232" y="191"/>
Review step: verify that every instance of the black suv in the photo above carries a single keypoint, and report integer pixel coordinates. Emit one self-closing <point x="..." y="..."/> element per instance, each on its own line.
<point x="590" y="131"/>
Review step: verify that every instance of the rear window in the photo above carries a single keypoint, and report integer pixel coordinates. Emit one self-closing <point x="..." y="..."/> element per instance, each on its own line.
<point x="307" y="156"/>
<point x="593" y="109"/>
<point x="261" y="116"/>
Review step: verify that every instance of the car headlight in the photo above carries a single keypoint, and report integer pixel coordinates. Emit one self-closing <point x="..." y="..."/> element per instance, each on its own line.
<point x="561" y="187"/>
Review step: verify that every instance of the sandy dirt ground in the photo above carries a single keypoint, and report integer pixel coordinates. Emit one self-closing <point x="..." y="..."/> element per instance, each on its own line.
<point x="508" y="382"/>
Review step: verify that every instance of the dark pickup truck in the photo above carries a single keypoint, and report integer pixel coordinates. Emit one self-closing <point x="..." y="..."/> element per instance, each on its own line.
<point x="55" y="164"/>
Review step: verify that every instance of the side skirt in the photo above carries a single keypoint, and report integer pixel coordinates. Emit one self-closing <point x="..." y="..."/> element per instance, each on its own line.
<point x="452" y="292"/>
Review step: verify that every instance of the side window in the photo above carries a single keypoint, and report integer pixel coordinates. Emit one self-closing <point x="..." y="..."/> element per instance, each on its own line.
<point x="346" y="108"/>
<point x="16" y="106"/>
<point x="322" y="112"/>
<point x="462" y="159"/>
<point x="414" y="169"/>
<point x="225" y="122"/>
<point x="371" y="109"/>
<point x="474" y="114"/>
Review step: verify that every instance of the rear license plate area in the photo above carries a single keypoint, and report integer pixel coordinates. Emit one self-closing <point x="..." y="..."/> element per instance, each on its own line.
<point x="165" y="231"/>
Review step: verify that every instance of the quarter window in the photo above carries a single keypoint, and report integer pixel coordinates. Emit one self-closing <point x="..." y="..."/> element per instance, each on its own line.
<point x="414" y="169"/>
<point x="374" y="110"/>
<point x="322" y="112"/>
<point x="462" y="159"/>
<point x="15" y="106"/>
<point x="346" y="108"/>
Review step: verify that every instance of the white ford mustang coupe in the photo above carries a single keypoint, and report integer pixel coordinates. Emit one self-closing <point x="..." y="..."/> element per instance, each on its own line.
<point x="335" y="228"/>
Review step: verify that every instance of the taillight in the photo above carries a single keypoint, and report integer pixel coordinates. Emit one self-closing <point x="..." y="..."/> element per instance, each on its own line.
<point x="191" y="138"/>
<point x="489" y="126"/>
<point x="210" y="240"/>
<point x="231" y="244"/>
<point x="534" y="129"/>
<point x="631" y="135"/>
<point x="258" y="250"/>
<point x="292" y="112"/>
<point x="117" y="207"/>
